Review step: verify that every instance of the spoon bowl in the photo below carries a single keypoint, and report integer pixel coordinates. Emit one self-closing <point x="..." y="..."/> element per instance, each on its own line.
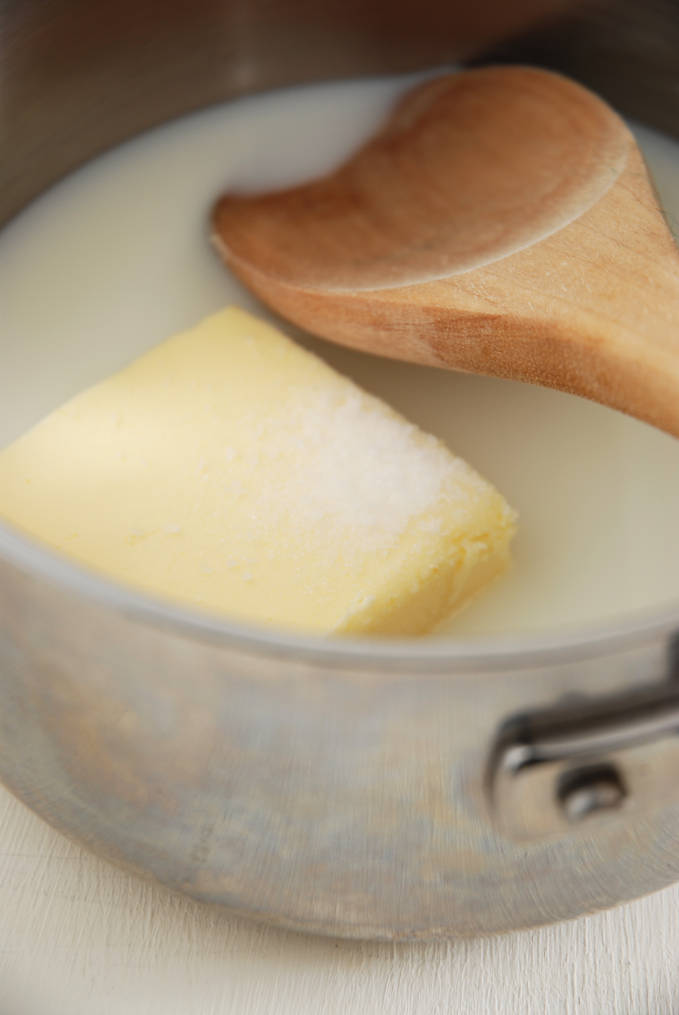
<point x="502" y="222"/>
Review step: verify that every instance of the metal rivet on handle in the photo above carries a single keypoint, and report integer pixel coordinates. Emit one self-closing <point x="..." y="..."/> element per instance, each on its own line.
<point x="588" y="791"/>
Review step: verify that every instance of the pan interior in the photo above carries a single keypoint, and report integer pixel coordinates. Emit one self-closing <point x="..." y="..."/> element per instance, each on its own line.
<point x="115" y="258"/>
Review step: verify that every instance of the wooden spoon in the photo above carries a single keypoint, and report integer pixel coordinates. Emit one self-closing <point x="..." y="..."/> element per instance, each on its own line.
<point x="502" y="222"/>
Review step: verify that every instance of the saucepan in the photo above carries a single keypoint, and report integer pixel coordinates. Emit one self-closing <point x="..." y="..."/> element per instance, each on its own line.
<point x="366" y="789"/>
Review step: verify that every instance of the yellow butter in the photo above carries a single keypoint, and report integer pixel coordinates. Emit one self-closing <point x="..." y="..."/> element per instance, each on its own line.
<point x="231" y="470"/>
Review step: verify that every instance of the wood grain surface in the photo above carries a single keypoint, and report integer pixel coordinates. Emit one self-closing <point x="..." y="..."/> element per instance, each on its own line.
<point x="501" y="222"/>
<point x="79" y="937"/>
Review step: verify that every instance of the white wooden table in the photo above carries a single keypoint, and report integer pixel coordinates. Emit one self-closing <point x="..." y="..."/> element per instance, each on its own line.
<point x="79" y="937"/>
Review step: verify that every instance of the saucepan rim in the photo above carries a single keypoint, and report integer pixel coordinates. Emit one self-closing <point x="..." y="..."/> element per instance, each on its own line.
<point x="511" y="652"/>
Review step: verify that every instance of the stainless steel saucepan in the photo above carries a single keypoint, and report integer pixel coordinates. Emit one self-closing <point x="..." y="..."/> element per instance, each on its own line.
<point x="371" y="790"/>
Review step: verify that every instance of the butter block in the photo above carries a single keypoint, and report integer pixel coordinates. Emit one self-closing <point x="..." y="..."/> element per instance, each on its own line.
<point x="229" y="469"/>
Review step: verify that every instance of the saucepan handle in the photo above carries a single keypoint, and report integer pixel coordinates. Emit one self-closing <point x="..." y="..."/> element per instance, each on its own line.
<point x="569" y="767"/>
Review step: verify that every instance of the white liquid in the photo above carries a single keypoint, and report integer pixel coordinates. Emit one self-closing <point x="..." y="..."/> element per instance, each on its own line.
<point x="116" y="258"/>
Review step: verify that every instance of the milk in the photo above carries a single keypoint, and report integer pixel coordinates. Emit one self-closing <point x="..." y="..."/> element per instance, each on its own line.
<point x="116" y="258"/>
